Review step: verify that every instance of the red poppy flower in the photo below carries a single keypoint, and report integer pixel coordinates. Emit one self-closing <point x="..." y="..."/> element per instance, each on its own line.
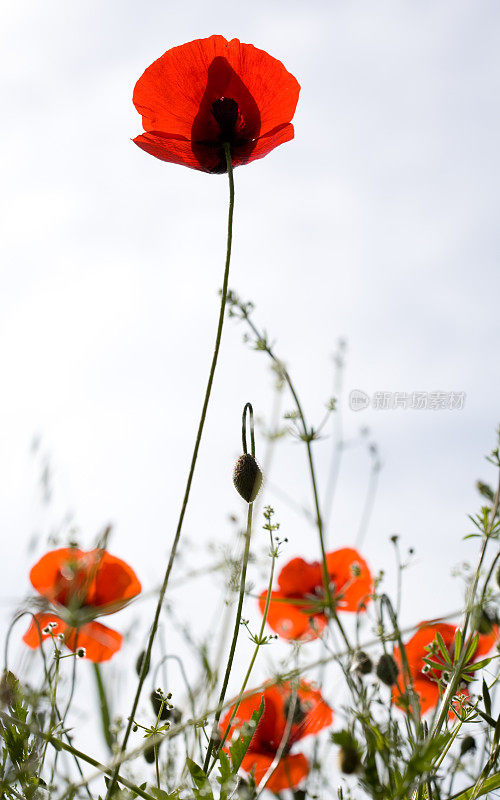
<point x="310" y="715"/>
<point x="81" y="586"/>
<point x="205" y="93"/>
<point x="425" y="681"/>
<point x="297" y="609"/>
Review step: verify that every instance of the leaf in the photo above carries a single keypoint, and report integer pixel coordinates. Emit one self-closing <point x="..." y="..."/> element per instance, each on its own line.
<point x="226" y="776"/>
<point x="203" y="790"/>
<point x="458" y="644"/>
<point x="240" y="746"/>
<point x="471" y="648"/>
<point x="478" y="665"/>
<point x="160" y="794"/>
<point x="489" y="785"/>
<point x="443" y="648"/>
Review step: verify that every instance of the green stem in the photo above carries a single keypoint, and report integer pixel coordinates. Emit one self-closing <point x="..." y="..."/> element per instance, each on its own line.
<point x="154" y="627"/>
<point x="252" y="662"/>
<point x="103" y="707"/>
<point x="236" y="631"/>
<point x="312" y="472"/>
<point x="459" y="667"/>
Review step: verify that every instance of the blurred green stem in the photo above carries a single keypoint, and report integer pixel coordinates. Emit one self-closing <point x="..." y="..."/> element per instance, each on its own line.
<point x="103" y="707"/>
<point x="154" y="627"/>
<point x="236" y="631"/>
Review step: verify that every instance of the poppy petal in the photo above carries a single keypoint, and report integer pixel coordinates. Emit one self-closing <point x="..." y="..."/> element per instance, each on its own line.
<point x="34" y="636"/>
<point x="114" y="584"/>
<point x="170" y="92"/>
<point x="343" y="567"/>
<point x="290" y="621"/>
<point x="289" y="773"/>
<point x="319" y="714"/>
<point x="298" y="577"/>
<point x="263" y="145"/>
<point x="51" y="575"/>
<point x="178" y="150"/>
<point x="486" y="642"/>
<point x="427" y="690"/>
<point x="100" y="642"/>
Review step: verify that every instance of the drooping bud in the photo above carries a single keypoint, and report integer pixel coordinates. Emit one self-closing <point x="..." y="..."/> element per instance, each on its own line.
<point x="138" y="663"/>
<point x="468" y="743"/>
<point x="362" y="663"/>
<point x="485" y="622"/>
<point x="247" y="477"/>
<point x="149" y="754"/>
<point x="387" y="670"/>
<point x="349" y="760"/>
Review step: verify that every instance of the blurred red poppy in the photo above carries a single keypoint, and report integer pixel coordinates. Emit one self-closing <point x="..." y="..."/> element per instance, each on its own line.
<point x="297" y="608"/>
<point x="81" y="586"/>
<point x="208" y="92"/>
<point x="425" y="679"/>
<point x="310" y="715"/>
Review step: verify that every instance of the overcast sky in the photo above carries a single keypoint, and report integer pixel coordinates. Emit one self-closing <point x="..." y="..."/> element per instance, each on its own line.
<point x="377" y="224"/>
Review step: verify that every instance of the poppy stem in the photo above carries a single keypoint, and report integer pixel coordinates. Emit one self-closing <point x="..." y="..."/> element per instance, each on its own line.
<point x="259" y="642"/>
<point x="237" y="624"/>
<point x="104" y="707"/>
<point x="154" y="627"/>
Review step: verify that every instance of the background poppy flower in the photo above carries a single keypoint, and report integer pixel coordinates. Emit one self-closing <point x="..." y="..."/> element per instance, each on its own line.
<point x="425" y="681"/>
<point x="81" y="586"/>
<point x="198" y="96"/>
<point x="297" y="608"/>
<point x="311" y="715"/>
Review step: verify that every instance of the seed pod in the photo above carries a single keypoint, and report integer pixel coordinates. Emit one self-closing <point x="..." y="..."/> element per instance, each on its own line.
<point x="468" y="743"/>
<point x="247" y="477"/>
<point x="362" y="663"/>
<point x="349" y="759"/>
<point x="138" y="663"/>
<point x="149" y="754"/>
<point x="387" y="670"/>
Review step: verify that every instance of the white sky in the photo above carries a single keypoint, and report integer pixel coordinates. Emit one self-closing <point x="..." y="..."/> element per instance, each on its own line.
<point x="378" y="223"/>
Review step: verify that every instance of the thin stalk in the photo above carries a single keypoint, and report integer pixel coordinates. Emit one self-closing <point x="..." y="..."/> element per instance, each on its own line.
<point x="103" y="707"/>
<point x="58" y="744"/>
<point x="154" y="627"/>
<point x="312" y="473"/>
<point x="254" y="656"/>
<point x="220" y="704"/>
<point x="455" y="679"/>
<point x="296" y="672"/>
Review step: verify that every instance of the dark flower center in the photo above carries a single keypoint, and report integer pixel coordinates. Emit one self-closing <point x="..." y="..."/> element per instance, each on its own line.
<point x="225" y="111"/>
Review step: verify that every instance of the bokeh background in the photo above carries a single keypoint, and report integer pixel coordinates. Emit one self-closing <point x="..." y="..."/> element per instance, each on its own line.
<point x="378" y="225"/>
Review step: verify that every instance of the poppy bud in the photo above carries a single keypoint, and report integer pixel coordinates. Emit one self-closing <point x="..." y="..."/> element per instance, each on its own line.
<point x="247" y="477"/>
<point x="149" y="754"/>
<point x="362" y="663"/>
<point x="387" y="670"/>
<point x="8" y="688"/>
<point x="468" y="744"/>
<point x="349" y="759"/>
<point x="485" y="622"/>
<point x="138" y="663"/>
